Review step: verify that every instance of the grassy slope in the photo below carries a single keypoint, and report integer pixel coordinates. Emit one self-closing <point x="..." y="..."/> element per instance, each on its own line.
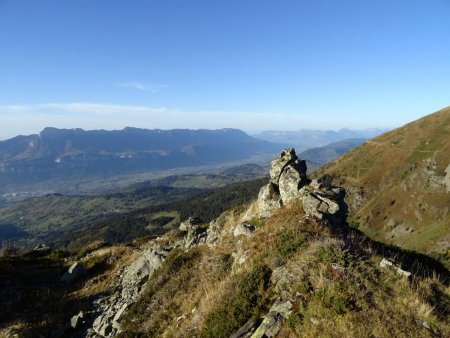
<point x="335" y="284"/>
<point x="337" y="287"/>
<point x="398" y="178"/>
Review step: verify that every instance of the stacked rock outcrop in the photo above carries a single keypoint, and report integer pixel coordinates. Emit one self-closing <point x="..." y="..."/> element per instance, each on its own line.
<point x="287" y="176"/>
<point x="288" y="181"/>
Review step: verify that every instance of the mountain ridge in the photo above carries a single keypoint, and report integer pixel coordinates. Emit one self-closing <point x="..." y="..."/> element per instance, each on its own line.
<point x="75" y="153"/>
<point x="309" y="138"/>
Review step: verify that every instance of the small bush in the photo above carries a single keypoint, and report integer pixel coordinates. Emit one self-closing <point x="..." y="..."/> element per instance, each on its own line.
<point x="245" y="299"/>
<point x="329" y="255"/>
<point x="288" y="243"/>
<point x="256" y="222"/>
<point x="338" y="303"/>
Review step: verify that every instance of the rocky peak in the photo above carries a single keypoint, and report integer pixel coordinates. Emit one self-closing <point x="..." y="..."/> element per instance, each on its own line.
<point x="288" y="181"/>
<point x="287" y="160"/>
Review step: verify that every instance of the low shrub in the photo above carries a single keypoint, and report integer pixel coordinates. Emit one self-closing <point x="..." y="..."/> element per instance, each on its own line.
<point x="288" y="243"/>
<point x="245" y="299"/>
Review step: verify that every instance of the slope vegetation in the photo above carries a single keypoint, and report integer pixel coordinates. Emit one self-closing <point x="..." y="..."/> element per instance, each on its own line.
<point x="398" y="185"/>
<point x="285" y="265"/>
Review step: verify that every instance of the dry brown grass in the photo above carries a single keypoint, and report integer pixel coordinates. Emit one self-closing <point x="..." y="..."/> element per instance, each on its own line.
<point x="337" y="288"/>
<point x="115" y="258"/>
<point x="398" y="172"/>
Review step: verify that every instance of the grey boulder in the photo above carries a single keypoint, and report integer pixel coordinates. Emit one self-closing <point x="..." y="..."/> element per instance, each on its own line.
<point x="243" y="229"/>
<point x="75" y="272"/>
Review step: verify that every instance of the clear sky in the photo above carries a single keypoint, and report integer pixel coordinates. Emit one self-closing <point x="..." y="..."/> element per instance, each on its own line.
<point x="249" y="64"/>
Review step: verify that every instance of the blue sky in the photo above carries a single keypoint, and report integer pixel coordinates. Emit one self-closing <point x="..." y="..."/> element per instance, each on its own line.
<point x="253" y="64"/>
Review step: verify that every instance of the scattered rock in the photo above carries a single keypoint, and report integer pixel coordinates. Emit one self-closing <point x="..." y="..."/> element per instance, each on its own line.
<point x="246" y="330"/>
<point x="245" y="229"/>
<point x="196" y="233"/>
<point x="314" y="321"/>
<point x="286" y="158"/>
<point x="319" y="203"/>
<point x="76" y="320"/>
<point x="75" y="272"/>
<point x="289" y="183"/>
<point x="126" y="290"/>
<point x="42" y="248"/>
<point x="120" y="313"/>
<point x="190" y="223"/>
<point x="282" y="280"/>
<point x="283" y="308"/>
<point x="240" y="258"/>
<point x="213" y="233"/>
<point x="386" y="263"/>
<point x="426" y="325"/>
<point x="105" y="329"/>
<point x="355" y="198"/>
<point x="195" y="236"/>
<point x="142" y="268"/>
<point x="272" y="322"/>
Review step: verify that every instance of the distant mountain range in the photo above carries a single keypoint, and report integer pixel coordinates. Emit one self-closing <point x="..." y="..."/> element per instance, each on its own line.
<point x="75" y="153"/>
<point x="318" y="156"/>
<point x="307" y="138"/>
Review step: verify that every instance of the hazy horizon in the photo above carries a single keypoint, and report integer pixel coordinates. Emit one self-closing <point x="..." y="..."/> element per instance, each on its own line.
<point x="249" y="132"/>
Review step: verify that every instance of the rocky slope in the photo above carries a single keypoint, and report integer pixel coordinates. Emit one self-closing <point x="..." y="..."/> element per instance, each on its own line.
<point x="288" y="181"/>
<point x="398" y="185"/>
<point x="285" y="265"/>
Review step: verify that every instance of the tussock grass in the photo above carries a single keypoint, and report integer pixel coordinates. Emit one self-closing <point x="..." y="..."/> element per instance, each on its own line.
<point x="333" y="279"/>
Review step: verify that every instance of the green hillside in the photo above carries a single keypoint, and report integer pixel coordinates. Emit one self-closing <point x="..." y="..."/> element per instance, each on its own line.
<point x="398" y="185"/>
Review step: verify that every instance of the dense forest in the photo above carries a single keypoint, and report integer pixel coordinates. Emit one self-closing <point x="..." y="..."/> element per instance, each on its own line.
<point x="155" y="220"/>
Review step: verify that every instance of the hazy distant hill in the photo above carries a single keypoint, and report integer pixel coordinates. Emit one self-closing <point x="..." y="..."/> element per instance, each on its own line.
<point x="74" y="153"/>
<point x="307" y="138"/>
<point x="398" y="184"/>
<point x="319" y="156"/>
